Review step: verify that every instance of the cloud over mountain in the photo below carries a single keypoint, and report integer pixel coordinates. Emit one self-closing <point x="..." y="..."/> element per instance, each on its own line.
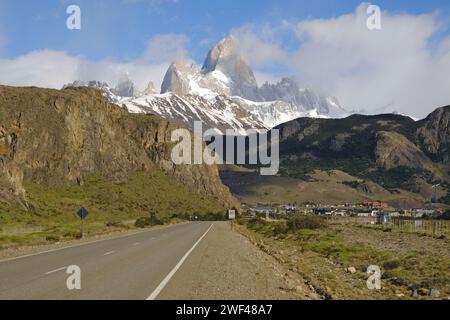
<point x="53" y="69"/>
<point x="403" y="67"/>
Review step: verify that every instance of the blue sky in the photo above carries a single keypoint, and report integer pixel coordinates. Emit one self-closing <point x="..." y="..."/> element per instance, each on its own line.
<point x="121" y="28"/>
<point x="323" y="43"/>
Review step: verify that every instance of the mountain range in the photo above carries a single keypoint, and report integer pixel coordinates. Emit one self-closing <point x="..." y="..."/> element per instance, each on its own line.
<point x="223" y="94"/>
<point x="387" y="157"/>
<point x="52" y="137"/>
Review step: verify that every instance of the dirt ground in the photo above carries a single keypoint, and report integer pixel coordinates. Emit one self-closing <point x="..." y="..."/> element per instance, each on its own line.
<point x="331" y="279"/>
<point x="399" y="242"/>
<point x="228" y="266"/>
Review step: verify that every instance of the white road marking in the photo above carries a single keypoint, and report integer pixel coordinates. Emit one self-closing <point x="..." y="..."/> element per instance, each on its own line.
<point x="56" y="270"/>
<point x="136" y="244"/>
<point x="166" y="280"/>
<point x="108" y="253"/>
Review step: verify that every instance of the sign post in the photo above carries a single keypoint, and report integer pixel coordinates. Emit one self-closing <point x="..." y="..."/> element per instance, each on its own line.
<point x="232" y="214"/>
<point x="153" y="217"/>
<point x="82" y="213"/>
<point x="231" y="217"/>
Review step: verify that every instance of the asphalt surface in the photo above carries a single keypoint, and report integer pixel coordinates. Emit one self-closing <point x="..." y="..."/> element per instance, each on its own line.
<point x="132" y="267"/>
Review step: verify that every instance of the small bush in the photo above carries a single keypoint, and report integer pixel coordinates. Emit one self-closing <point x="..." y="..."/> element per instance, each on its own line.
<point x="72" y="235"/>
<point x="144" y="222"/>
<point x="305" y="222"/>
<point x="391" y="264"/>
<point x="211" y="216"/>
<point x="279" y="229"/>
<point x="115" y="224"/>
<point x="52" y="238"/>
<point x="256" y="221"/>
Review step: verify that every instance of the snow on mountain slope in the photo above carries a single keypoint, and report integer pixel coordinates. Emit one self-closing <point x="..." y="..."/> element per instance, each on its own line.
<point x="223" y="93"/>
<point x="219" y="112"/>
<point x="273" y="113"/>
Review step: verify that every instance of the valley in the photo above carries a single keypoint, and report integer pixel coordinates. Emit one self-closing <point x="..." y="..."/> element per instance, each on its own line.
<point x="347" y="191"/>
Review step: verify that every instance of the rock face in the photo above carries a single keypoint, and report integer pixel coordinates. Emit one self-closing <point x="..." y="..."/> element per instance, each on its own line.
<point x="395" y="150"/>
<point x="434" y="134"/>
<point x="224" y="72"/>
<point x="289" y="91"/>
<point x="391" y="150"/>
<point x="54" y="137"/>
<point x="177" y="78"/>
<point x="150" y="89"/>
<point x="190" y="92"/>
<point x="226" y="58"/>
<point x="125" y="87"/>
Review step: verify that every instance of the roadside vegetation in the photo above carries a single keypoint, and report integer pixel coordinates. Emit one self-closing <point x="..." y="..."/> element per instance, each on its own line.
<point x="337" y="266"/>
<point x="51" y="213"/>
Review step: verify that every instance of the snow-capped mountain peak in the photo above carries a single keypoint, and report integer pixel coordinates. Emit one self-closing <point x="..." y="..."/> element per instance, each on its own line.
<point x="223" y="94"/>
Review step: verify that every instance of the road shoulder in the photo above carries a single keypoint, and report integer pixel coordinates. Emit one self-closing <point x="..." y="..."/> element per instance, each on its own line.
<point x="227" y="266"/>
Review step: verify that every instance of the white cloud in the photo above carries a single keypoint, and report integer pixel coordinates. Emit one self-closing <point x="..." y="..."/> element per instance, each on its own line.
<point x="53" y="69"/>
<point x="166" y="47"/>
<point x="49" y="69"/>
<point x="259" y="47"/>
<point x="263" y="77"/>
<point x="393" y="67"/>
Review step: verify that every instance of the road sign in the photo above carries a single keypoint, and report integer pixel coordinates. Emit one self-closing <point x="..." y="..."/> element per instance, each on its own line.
<point x="82" y="213"/>
<point x="231" y="214"/>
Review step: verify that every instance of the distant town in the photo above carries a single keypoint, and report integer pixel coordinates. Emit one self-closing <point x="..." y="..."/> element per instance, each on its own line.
<point x="371" y="209"/>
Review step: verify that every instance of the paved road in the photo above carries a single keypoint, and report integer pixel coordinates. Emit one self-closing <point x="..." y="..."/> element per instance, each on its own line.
<point x="131" y="267"/>
<point x="200" y="260"/>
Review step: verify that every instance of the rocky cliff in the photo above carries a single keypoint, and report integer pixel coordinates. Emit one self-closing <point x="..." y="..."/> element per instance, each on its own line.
<point x="434" y="134"/>
<point x="392" y="150"/>
<point x="55" y="137"/>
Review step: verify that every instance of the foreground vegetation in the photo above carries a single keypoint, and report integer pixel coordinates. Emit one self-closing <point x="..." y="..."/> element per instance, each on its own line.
<point x="51" y="213"/>
<point x="304" y="242"/>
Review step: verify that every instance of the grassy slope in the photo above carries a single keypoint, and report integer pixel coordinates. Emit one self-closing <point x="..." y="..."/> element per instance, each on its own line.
<point x="319" y="187"/>
<point x="306" y="250"/>
<point x="357" y="155"/>
<point x="111" y="207"/>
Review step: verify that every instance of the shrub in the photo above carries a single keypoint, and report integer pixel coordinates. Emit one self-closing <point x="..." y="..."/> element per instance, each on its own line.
<point x="256" y="221"/>
<point x="211" y="216"/>
<point x="144" y="222"/>
<point x="72" y="235"/>
<point x="279" y="228"/>
<point x="305" y="222"/>
<point x="117" y="224"/>
<point x="391" y="264"/>
<point x="52" y="238"/>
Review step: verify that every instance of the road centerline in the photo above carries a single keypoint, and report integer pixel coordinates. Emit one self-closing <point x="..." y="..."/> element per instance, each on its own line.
<point x="54" y="271"/>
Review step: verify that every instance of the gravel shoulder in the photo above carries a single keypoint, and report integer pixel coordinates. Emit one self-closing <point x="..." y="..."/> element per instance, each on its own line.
<point x="226" y="265"/>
